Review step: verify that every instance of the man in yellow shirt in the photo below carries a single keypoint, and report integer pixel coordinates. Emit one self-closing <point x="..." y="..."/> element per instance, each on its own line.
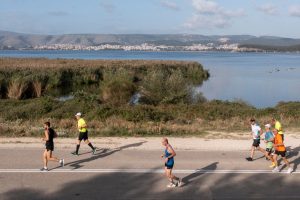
<point x="83" y="134"/>
<point x="278" y="127"/>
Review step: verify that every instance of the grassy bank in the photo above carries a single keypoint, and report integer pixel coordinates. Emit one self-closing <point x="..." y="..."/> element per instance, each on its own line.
<point x="25" y="118"/>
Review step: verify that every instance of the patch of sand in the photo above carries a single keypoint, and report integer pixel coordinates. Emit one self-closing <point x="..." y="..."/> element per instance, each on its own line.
<point x="218" y="141"/>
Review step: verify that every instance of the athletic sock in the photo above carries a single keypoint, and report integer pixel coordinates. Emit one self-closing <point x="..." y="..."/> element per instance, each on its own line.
<point x="77" y="148"/>
<point x="90" y="144"/>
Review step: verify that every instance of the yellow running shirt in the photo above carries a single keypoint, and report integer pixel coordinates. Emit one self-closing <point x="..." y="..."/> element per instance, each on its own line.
<point x="81" y="123"/>
<point x="278" y="127"/>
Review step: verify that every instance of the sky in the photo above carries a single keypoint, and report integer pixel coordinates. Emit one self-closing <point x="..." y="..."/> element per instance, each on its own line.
<point x="205" y="17"/>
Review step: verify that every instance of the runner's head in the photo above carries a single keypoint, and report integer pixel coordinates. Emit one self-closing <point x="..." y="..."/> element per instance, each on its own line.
<point x="268" y="126"/>
<point x="252" y="121"/>
<point x="164" y="141"/>
<point x="273" y="121"/>
<point x="47" y="125"/>
<point x="78" y="115"/>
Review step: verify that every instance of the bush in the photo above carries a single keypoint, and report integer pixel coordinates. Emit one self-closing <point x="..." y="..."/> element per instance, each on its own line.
<point x="117" y="89"/>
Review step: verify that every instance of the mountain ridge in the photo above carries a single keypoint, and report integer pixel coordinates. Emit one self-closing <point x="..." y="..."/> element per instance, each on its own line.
<point x="14" y="40"/>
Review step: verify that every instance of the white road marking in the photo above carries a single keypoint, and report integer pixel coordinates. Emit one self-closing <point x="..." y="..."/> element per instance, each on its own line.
<point x="142" y="171"/>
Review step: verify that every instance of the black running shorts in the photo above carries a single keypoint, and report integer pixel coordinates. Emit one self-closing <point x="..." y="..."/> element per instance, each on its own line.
<point x="269" y="150"/>
<point x="256" y="143"/>
<point x="49" y="146"/>
<point x="83" y="136"/>
<point x="281" y="153"/>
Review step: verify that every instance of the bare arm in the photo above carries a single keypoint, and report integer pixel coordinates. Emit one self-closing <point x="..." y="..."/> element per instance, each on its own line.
<point x="46" y="138"/>
<point x="261" y="132"/>
<point x="171" y="150"/>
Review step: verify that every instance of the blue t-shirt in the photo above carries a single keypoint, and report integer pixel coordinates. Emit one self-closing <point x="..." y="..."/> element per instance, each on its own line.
<point x="269" y="135"/>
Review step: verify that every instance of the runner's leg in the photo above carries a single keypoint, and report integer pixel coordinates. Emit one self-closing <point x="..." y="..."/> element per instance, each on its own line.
<point x="77" y="146"/>
<point x="252" y="152"/>
<point x="51" y="158"/>
<point x="45" y="159"/>
<point x="90" y="144"/>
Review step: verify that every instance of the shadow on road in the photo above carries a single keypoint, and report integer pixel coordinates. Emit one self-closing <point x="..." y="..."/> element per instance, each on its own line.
<point x="188" y="179"/>
<point x="126" y="186"/>
<point x="106" y="152"/>
<point x="294" y="153"/>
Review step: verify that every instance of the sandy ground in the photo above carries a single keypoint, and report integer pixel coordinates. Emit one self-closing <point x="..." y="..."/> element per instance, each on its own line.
<point x="243" y="143"/>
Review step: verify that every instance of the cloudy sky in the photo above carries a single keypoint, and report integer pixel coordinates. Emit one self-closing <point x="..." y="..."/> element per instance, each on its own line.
<point x="208" y="17"/>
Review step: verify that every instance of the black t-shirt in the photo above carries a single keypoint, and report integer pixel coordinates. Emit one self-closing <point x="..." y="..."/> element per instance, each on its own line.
<point x="51" y="133"/>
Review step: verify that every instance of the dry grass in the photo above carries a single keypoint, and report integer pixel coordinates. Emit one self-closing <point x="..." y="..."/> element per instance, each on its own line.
<point x="43" y="64"/>
<point x="16" y="89"/>
<point x="37" y="86"/>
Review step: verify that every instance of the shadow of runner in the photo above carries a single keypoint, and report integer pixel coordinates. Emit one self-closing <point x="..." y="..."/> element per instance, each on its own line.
<point x="78" y="163"/>
<point x="188" y="179"/>
<point x="294" y="153"/>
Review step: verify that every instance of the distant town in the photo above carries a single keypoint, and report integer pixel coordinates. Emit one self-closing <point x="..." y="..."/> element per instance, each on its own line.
<point x="149" y="47"/>
<point x="148" y="42"/>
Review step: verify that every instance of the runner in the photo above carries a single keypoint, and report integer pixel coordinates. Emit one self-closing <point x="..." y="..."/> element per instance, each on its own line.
<point x="280" y="150"/>
<point x="169" y="155"/>
<point x="256" y="133"/>
<point x="50" y="134"/>
<point x="83" y="134"/>
<point x="269" y="138"/>
<point x="277" y="125"/>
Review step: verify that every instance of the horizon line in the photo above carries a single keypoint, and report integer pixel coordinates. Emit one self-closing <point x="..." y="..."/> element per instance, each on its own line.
<point x="58" y="34"/>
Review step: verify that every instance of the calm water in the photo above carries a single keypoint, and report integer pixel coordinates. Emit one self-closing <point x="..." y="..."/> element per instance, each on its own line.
<point x="260" y="79"/>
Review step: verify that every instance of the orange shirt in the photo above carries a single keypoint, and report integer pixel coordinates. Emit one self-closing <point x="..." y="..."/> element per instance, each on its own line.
<point x="278" y="140"/>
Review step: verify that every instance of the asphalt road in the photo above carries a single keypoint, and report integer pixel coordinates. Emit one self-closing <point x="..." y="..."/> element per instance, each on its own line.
<point x="137" y="174"/>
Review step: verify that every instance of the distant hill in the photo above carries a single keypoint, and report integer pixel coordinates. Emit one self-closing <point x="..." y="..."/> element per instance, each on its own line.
<point x="12" y="40"/>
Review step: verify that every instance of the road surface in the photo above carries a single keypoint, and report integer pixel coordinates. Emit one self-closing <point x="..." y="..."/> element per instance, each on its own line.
<point x="123" y="173"/>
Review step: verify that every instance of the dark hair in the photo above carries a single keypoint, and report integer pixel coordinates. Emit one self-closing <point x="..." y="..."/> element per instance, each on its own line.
<point x="252" y="120"/>
<point x="47" y="123"/>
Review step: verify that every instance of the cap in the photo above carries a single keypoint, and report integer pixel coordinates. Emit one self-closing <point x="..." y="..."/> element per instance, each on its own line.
<point x="268" y="126"/>
<point x="78" y="114"/>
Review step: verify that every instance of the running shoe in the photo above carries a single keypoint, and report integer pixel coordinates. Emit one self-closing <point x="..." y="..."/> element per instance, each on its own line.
<point x="290" y="170"/>
<point x="75" y="154"/>
<point x="275" y="170"/>
<point x="62" y="162"/>
<point x="171" y="185"/>
<point x="94" y="151"/>
<point x="249" y="159"/>
<point x="44" y="169"/>
<point x="179" y="184"/>
<point x="273" y="165"/>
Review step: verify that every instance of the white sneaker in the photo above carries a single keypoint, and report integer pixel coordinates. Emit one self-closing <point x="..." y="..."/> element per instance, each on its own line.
<point x="62" y="162"/>
<point x="44" y="169"/>
<point x="275" y="170"/>
<point x="171" y="185"/>
<point x="179" y="184"/>
<point x="290" y="170"/>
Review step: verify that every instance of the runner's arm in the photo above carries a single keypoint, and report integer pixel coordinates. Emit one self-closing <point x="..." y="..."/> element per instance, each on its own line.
<point x="46" y="138"/>
<point x="173" y="153"/>
<point x="261" y="132"/>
